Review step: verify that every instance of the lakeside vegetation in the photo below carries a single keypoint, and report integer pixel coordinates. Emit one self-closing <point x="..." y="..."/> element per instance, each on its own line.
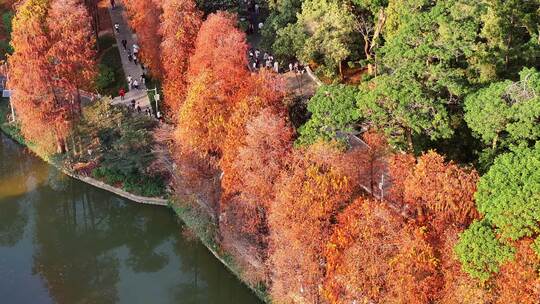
<point x="418" y="182"/>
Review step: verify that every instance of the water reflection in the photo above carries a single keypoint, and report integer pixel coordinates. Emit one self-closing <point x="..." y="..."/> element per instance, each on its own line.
<point x="62" y="241"/>
<point x="13" y="220"/>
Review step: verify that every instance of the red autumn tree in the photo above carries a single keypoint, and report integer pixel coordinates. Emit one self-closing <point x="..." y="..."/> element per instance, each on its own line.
<point x="442" y="190"/>
<point x="258" y="163"/>
<point x="41" y="113"/>
<point x="53" y="58"/>
<point x="263" y="91"/>
<point x="400" y="166"/>
<point x="373" y="161"/>
<point x="368" y="162"/>
<point x="358" y="253"/>
<point x="263" y="155"/>
<point x="310" y="195"/>
<point x="144" y="18"/>
<point x="180" y="23"/>
<point x="373" y="256"/>
<point x="217" y="76"/>
<point x="518" y="280"/>
<point x="72" y="51"/>
<point x="221" y="48"/>
<point x="414" y="275"/>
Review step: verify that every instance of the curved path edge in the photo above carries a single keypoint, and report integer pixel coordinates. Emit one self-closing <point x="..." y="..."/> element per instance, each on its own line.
<point x="92" y="181"/>
<point x="130" y="196"/>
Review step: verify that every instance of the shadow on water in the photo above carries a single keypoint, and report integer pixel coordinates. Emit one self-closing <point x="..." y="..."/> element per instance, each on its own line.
<point x="62" y="241"/>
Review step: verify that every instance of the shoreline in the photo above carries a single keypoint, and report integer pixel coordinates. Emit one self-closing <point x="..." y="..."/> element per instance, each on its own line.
<point x="184" y="214"/>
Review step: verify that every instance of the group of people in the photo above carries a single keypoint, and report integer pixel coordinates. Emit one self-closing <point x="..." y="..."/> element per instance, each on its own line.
<point x="132" y="53"/>
<point x="134" y="84"/>
<point x="258" y="60"/>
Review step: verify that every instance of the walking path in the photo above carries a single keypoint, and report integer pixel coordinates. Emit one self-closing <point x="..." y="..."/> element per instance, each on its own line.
<point x="118" y="15"/>
<point x="301" y="85"/>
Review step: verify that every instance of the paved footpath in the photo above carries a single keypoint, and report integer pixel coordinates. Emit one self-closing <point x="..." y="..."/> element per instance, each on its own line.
<point x="118" y="15"/>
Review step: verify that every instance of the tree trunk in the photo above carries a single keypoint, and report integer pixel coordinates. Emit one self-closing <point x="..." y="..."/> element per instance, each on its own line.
<point x="408" y="132"/>
<point x="79" y="102"/>
<point x="60" y="145"/>
<point x="74" y="146"/>
<point x="367" y="48"/>
<point x="494" y="142"/>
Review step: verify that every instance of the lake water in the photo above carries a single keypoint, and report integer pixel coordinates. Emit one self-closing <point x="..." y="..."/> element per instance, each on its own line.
<point x="62" y="241"/>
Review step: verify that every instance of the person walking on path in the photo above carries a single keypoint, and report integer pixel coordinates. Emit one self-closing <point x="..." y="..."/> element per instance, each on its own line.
<point x="113" y="4"/>
<point x="143" y="79"/>
<point x="124" y="44"/>
<point x="117" y="27"/>
<point x="136" y="84"/>
<point x="122" y="93"/>
<point x="130" y="81"/>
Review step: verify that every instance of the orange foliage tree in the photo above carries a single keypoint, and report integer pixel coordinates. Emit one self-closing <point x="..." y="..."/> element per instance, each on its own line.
<point x="437" y="189"/>
<point x="373" y="256"/>
<point x="400" y="166"/>
<point x="262" y="91"/>
<point x="39" y="80"/>
<point x="442" y="189"/>
<point x="32" y="96"/>
<point x="259" y="161"/>
<point x="144" y="18"/>
<point x="414" y="275"/>
<point x="310" y="195"/>
<point x="180" y="23"/>
<point x="518" y="280"/>
<point x="72" y="51"/>
<point x="217" y="76"/>
<point x="358" y="252"/>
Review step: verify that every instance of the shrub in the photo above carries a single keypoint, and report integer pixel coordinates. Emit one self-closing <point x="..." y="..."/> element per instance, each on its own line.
<point x="480" y="252"/>
<point x="106" y="78"/>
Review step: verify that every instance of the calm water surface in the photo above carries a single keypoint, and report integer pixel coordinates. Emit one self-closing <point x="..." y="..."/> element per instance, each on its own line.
<point x="62" y="241"/>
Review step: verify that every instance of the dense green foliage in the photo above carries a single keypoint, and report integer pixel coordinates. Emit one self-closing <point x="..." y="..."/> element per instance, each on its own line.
<point x="401" y="108"/>
<point x="480" y="252"/>
<point x="509" y="198"/>
<point x="282" y="13"/>
<point x="111" y="75"/>
<point x="323" y="33"/>
<point x="509" y="194"/>
<point x="536" y="246"/>
<point x="120" y="144"/>
<point x="332" y="110"/>
<point x="5" y="47"/>
<point x="506" y="113"/>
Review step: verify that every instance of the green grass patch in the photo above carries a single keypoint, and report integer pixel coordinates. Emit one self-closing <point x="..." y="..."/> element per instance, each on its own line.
<point x="5" y="47"/>
<point x="111" y="75"/>
<point x="152" y="83"/>
<point x="105" y="42"/>
<point x="13" y="130"/>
